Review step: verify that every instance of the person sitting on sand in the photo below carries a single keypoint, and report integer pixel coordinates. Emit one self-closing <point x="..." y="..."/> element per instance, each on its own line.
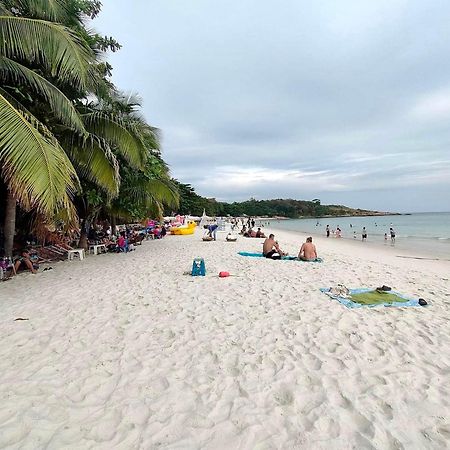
<point x="271" y="249"/>
<point x="260" y="234"/>
<point x="308" y="251"/>
<point x="122" y="242"/>
<point x="24" y="261"/>
<point x="244" y="230"/>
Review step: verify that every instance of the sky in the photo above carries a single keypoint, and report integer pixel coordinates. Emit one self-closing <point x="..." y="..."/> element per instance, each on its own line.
<point x="347" y="101"/>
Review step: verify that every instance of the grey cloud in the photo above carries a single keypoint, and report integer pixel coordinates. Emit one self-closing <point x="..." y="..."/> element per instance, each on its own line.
<point x="356" y="94"/>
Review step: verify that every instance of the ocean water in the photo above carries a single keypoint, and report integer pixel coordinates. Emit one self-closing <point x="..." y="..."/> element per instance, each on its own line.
<point x="423" y="233"/>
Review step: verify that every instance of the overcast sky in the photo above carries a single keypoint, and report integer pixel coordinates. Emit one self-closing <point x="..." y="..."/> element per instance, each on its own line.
<point x="347" y="101"/>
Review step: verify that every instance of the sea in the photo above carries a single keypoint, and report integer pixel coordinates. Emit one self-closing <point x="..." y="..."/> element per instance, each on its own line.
<point x="422" y="233"/>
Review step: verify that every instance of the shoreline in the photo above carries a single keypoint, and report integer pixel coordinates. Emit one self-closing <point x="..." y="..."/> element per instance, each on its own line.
<point x="125" y="351"/>
<point x="388" y="247"/>
<point x="434" y="247"/>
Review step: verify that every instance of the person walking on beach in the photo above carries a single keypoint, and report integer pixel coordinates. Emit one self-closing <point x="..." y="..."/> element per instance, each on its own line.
<point x="364" y="234"/>
<point x="308" y="251"/>
<point x="271" y="249"/>
<point x="328" y="230"/>
<point x="392" y="232"/>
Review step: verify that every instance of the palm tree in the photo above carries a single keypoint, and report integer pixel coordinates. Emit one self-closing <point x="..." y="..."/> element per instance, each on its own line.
<point x="54" y="143"/>
<point x="42" y="177"/>
<point x="58" y="60"/>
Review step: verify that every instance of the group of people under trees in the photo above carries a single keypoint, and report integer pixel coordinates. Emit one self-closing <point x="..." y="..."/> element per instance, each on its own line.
<point x="124" y="241"/>
<point x="272" y="250"/>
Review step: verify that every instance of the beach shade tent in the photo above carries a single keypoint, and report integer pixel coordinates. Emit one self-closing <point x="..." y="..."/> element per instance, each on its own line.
<point x="205" y="220"/>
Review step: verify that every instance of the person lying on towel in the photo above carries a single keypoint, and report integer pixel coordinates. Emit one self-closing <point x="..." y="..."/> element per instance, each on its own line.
<point x="271" y="249"/>
<point x="308" y="251"/>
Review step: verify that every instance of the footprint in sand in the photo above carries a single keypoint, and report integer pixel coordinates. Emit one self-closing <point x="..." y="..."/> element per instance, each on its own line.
<point x="283" y="396"/>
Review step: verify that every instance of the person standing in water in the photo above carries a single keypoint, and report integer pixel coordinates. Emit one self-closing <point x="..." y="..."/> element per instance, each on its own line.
<point x="364" y="234"/>
<point x="328" y="230"/>
<point x="392" y="232"/>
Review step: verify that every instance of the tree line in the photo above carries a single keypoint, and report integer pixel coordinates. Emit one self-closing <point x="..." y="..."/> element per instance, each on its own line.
<point x="192" y="203"/>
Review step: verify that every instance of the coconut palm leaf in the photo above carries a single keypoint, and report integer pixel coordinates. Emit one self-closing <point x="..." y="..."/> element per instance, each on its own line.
<point x="35" y="167"/>
<point x="61" y="106"/>
<point x="94" y="160"/>
<point x="59" y="49"/>
<point x="113" y="130"/>
<point x="52" y="10"/>
<point x="146" y="192"/>
<point x="4" y="11"/>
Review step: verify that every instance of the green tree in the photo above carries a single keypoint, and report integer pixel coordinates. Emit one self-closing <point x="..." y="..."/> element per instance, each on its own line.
<point x="49" y="68"/>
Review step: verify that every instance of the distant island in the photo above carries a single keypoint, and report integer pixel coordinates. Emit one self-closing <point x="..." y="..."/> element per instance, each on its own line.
<point x="194" y="204"/>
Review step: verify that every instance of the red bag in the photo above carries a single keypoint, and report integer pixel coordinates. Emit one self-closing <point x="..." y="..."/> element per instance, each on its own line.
<point x="224" y="274"/>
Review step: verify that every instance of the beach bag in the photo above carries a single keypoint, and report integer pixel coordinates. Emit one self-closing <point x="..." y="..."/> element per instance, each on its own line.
<point x="198" y="267"/>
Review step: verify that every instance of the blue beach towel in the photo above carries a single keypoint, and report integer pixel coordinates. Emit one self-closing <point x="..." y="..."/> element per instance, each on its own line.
<point x="285" y="258"/>
<point x="351" y="304"/>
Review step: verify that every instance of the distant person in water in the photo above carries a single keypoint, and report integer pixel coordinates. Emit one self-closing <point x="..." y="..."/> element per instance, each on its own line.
<point x="328" y="230"/>
<point x="271" y="249"/>
<point x="364" y="234"/>
<point x="385" y="236"/>
<point x="392" y="232"/>
<point x="308" y="251"/>
<point x="354" y="235"/>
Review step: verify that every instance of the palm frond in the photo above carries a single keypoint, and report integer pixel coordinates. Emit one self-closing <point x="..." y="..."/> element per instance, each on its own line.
<point x="145" y="193"/>
<point x="52" y="10"/>
<point x="113" y="130"/>
<point x="164" y="191"/>
<point x="4" y="11"/>
<point x="35" y="168"/>
<point x="60" y="105"/>
<point x="59" y="49"/>
<point x="95" y="161"/>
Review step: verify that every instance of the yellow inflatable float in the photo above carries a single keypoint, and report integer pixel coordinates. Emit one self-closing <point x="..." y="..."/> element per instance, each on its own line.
<point x="184" y="229"/>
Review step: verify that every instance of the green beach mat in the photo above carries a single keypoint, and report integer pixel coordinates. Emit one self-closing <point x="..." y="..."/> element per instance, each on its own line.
<point x="371" y="298"/>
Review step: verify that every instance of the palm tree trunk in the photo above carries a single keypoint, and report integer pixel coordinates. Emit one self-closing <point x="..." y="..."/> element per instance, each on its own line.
<point x="83" y="242"/>
<point x="113" y="225"/>
<point x="10" y="223"/>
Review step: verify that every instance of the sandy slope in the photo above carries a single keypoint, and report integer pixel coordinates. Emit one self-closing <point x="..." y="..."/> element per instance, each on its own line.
<point x="124" y="351"/>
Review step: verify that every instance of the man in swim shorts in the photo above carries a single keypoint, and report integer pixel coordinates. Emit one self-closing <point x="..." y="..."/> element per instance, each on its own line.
<point x="308" y="251"/>
<point x="392" y="233"/>
<point x="271" y="248"/>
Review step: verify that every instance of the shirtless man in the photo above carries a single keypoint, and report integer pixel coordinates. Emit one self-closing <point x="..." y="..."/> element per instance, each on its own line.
<point x="308" y="251"/>
<point x="271" y="248"/>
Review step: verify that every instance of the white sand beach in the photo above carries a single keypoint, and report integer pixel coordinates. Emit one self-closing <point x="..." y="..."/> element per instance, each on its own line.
<point x="124" y="351"/>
